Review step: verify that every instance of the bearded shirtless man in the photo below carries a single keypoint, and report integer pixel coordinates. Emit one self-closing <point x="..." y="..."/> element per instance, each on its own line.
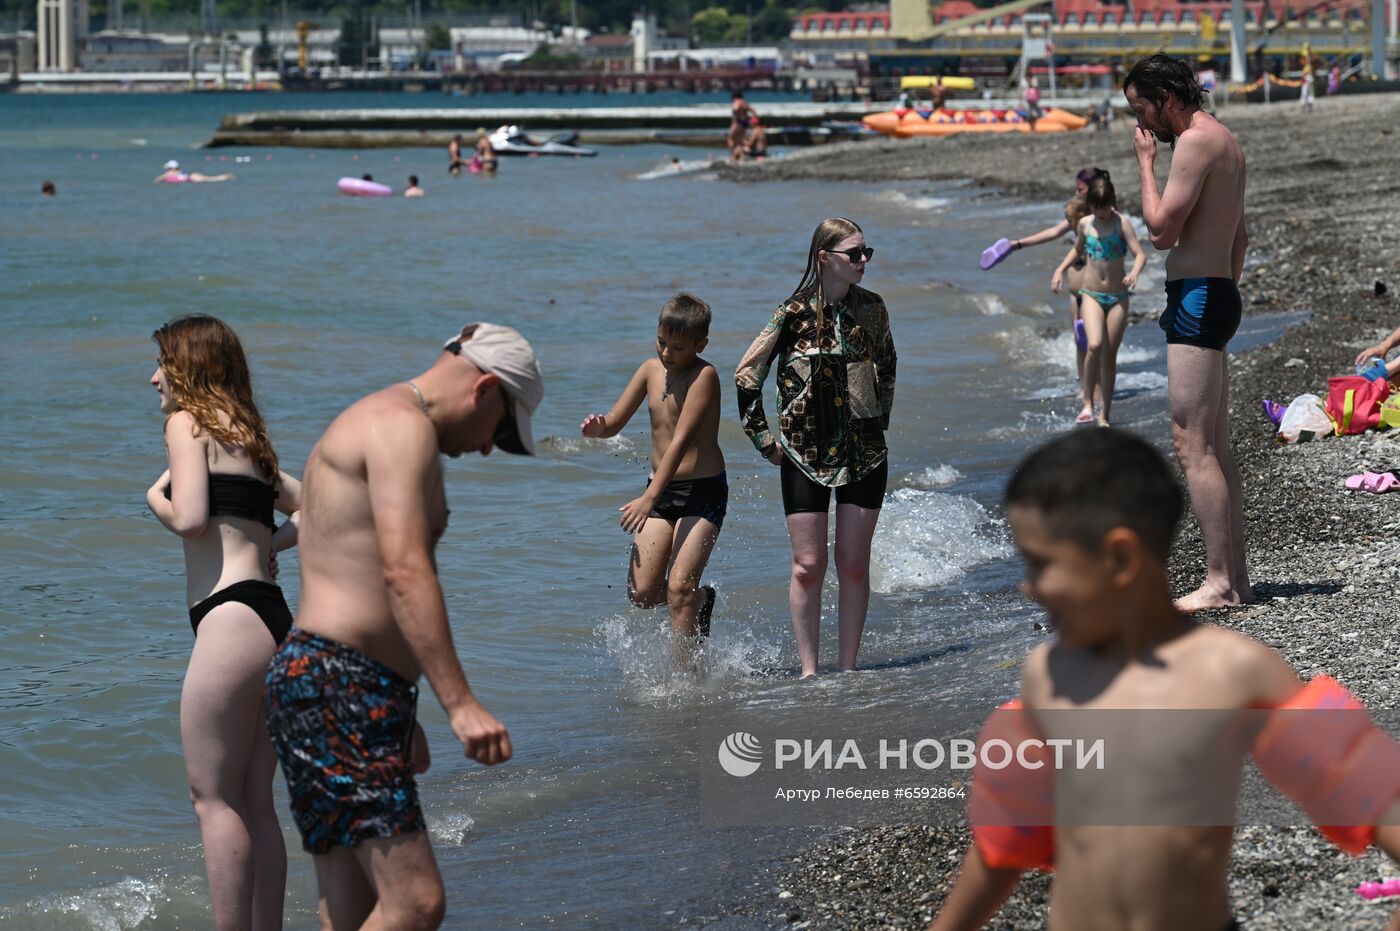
<point x="1199" y="216"/>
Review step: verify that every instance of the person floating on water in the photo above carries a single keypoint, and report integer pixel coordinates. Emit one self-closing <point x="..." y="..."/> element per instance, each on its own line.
<point x="836" y="369"/>
<point x="48" y="189"/>
<point x="1148" y="844"/>
<point x="1105" y="237"/>
<point x="172" y="174"/>
<point x="413" y="190"/>
<point x="677" y="520"/>
<point x="218" y="496"/>
<point x="342" y="691"/>
<point x="1199" y="216"/>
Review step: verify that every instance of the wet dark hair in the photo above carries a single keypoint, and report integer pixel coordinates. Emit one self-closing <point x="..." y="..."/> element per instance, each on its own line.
<point x="366" y="177"/>
<point x="48" y="188"/>
<point x="412" y="180"/>
<point x="685" y="315"/>
<point x="1088" y="482"/>
<point x="1158" y="75"/>
<point x="1100" y="194"/>
<point x="1087" y="175"/>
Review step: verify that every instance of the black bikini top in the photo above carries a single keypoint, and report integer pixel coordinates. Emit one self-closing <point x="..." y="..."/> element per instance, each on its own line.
<point x="240" y="496"/>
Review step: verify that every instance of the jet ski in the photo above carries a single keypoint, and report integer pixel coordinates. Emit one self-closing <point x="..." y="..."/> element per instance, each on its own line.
<point x="512" y="140"/>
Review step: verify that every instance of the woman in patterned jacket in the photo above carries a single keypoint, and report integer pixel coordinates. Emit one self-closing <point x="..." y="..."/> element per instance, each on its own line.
<point x="836" y="366"/>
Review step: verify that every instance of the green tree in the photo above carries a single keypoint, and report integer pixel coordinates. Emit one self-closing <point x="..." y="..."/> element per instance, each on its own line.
<point x="712" y="25"/>
<point x="773" y="24"/>
<point x="438" y="37"/>
<point x="738" y="31"/>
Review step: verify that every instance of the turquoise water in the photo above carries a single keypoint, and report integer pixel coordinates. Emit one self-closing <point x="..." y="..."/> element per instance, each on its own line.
<point x="594" y="823"/>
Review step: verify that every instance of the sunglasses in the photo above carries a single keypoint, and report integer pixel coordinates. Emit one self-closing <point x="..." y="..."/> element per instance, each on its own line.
<point x="858" y="254"/>
<point x="507" y="430"/>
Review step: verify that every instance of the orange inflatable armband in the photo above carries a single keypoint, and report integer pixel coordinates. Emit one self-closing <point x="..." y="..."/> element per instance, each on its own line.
<point x="1321" y="749"/>
<point x="1012" y="810"/>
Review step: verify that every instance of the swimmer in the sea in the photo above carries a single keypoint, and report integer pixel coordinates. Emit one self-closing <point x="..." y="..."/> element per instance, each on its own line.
<point x="173" y="175"/>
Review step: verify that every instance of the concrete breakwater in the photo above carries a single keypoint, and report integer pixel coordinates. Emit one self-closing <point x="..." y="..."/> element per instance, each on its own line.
<point x="699" y="125"/>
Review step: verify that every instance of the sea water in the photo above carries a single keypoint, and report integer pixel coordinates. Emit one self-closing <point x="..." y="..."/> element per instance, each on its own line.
<point x="594" y="822"/>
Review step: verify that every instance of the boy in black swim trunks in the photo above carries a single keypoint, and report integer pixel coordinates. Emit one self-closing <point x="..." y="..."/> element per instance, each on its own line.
<point x="677" y="519"/>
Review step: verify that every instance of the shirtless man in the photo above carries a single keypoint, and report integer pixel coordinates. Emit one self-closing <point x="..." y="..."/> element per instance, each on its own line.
<point x="341" y="692"/>
<point x="1199" y="216"/>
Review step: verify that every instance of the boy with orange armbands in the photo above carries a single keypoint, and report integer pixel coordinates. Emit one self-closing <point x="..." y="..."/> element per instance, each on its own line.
<point x="1093" y="514"/>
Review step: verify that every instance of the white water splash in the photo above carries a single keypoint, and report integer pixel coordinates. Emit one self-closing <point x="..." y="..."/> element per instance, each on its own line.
<point x="989" y="305"/>
<point x="928" y="538"/>
<point x="568" y="445"/>
<point x="642" y="645"/>
<point x="939" y="476"/>
<point x="450" y="829"/>
<point x="120" y="906"/>
<point x="915" y="202"/>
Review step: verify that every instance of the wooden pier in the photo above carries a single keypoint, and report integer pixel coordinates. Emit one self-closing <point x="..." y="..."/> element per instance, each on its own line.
<point x="368" y="129"/>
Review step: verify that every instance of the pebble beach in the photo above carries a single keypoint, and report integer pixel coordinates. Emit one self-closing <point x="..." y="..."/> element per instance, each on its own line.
<point x="1324" y="188"/>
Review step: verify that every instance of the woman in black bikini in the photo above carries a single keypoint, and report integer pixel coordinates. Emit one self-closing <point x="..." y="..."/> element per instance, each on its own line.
<point x="219" y="495"/>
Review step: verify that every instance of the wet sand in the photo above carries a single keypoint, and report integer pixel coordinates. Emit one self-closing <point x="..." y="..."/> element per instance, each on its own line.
<point x="1323" y="197"/>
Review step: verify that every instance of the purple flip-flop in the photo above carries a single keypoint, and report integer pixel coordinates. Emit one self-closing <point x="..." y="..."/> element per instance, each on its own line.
<point x="1273" y="410"/>
<point x="995" y="253"/>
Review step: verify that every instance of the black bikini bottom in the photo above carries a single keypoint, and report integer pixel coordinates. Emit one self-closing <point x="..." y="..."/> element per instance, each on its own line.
<point x="263" y="597"/>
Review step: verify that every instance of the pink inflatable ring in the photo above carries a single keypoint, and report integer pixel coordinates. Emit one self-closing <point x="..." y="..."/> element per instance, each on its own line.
<point x="358" y="187"/>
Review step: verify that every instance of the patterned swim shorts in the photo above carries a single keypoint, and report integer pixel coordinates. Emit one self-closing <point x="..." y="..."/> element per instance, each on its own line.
<point x="341" y="723"/>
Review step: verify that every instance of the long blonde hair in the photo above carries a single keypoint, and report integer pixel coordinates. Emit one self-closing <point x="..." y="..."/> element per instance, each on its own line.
<point x="827" y="234"/>
<point x="207" y="375"/>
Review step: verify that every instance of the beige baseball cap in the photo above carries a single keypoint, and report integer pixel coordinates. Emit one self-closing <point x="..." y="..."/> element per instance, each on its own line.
<point x="505" y="354"/>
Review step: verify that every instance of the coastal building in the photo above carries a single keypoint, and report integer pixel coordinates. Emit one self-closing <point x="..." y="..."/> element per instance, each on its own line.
<point x="62" y="23"/>
<point x="1090" y="32"/>
<point x="123" y="52"/>
<point x="18" y="53"/>
<point x="486" y="48"/>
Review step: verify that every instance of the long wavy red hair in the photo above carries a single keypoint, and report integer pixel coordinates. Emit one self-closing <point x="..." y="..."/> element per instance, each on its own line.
<point x="207" y="375"/>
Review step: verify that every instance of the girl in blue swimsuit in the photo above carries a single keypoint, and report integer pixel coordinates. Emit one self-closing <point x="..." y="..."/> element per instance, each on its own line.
<point x="1105" y="237"/>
